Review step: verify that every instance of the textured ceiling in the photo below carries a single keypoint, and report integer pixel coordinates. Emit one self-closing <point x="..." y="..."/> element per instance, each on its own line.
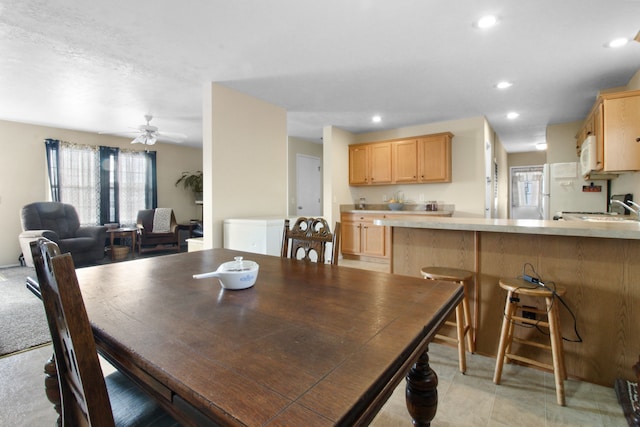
<point x="100" y="66"/>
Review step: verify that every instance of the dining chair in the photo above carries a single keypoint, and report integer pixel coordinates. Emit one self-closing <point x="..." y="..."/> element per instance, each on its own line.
<point x="86" y="397"/>
<point x="311" y="235"/>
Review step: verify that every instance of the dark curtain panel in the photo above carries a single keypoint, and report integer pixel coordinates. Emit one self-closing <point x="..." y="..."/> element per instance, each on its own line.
<point x="53" y="146"/>
<point x="152" y="182"/>
<point x="109" y="209"/>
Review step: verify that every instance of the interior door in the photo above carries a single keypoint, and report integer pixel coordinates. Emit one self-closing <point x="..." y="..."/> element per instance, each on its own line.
<point x="308" y="185"/>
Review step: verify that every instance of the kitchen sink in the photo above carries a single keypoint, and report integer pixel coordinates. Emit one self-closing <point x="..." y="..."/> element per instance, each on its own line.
<point x="607" y="218"/>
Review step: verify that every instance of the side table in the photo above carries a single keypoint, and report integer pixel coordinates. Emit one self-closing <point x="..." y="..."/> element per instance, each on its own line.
<point x="122" y="232"/>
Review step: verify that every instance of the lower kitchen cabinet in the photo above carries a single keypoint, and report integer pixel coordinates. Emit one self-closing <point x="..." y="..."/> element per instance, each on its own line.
<point x="361" y="238"/>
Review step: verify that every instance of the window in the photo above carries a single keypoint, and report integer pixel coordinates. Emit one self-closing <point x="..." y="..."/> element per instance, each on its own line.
<point x="105" y="184"/>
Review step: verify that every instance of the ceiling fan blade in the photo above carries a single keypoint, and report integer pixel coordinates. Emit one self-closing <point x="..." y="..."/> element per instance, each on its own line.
<point x="145" y="139"/>
<point x="172" y="136"/>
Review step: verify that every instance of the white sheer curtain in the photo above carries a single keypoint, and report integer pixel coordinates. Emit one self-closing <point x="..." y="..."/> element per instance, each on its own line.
<point x="132" y="173"/>
<point x="79" y="170"/>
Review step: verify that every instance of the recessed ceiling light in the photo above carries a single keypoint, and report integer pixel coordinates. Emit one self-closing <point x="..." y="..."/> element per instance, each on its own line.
<point x="541" y="146"/>
<point x="504" y="85"/>
<point x="487" y="21"/>
<point x="619" y="42"/>
<point x="513" y="115"/>
<point x="376" y="119"/>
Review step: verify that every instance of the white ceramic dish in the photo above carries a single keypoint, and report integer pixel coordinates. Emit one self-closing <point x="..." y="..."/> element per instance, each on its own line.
<point x="234" y="275"/>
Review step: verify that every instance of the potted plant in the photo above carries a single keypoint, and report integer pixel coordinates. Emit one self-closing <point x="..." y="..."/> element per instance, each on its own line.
<point x="193" y="182"/>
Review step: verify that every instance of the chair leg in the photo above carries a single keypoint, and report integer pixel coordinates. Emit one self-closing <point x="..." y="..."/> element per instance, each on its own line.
<point x="556" y="350"/>
<point x="505" y="340"/>
<point x="467" y="319"/>
<point x="460" y="329"/>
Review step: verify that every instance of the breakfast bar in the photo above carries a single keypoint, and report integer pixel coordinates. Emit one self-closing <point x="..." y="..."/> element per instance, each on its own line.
<point x="597" y="261"/>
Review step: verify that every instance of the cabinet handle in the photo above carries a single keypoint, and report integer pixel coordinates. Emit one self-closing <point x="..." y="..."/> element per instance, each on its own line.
<point x="638" y="139"/>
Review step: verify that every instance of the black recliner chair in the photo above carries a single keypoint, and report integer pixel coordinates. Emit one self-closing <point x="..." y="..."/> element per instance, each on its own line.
<point x="59" y="223"/>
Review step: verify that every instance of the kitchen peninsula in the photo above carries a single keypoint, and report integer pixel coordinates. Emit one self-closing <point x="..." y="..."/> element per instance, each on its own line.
<point x="598" y="263"/>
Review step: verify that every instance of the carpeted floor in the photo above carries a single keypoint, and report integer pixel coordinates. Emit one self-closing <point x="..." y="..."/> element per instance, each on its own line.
<point x="22" y="320"/>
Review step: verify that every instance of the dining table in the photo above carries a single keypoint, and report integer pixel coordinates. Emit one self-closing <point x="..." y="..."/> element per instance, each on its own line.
<point x="309" y="344"/>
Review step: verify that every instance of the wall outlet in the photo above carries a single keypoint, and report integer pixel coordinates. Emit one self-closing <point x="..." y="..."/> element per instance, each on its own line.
<point x="384" y="198"/>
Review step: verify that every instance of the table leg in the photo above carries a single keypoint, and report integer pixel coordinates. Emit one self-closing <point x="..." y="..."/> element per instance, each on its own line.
<point x="133" y="243"/>
<point x="113" y="256"/>
<point x="422" y="392"/>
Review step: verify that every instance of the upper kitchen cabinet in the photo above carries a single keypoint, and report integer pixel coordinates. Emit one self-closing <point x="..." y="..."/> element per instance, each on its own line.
<point x="420" y="159"/>
<point x="370" y="164"/>
<point x="434" y="158"/>
<point x="615" y="122"/>
<point x="621" y="131"/>
<point x="405" y="161"/>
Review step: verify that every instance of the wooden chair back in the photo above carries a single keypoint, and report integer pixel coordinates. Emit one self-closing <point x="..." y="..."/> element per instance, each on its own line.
<point x="85" y="401"/>
<point x="310" y="235"/>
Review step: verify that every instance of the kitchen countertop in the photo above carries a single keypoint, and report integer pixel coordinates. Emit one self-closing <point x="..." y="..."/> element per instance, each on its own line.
<point x="403" y="212"/>
<point x="611" y="230"/>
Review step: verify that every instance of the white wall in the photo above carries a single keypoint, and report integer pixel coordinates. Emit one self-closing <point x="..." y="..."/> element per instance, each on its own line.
<point x="561" y="142"/>
<point x="466" y="189"/>
<point x="335" y="172"/>
<point x="23" y="175"/>
<point x="245" y="159"/>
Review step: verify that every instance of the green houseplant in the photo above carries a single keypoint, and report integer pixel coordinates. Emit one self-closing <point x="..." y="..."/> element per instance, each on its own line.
<point x="193" y="182"/>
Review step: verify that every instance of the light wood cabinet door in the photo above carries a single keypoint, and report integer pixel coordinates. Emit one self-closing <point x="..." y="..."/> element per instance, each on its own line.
<point x="621" y="133"/>
<point x="373" y="239"/>
<point x="435" y="158"/>
<point x="598" y="130"/>
<point x="358" y="165"/>
<point x="405" y="161"/>
<point x="380" y="166"/>
<point x="350" y="236"/>
<point x="370" y="164"/>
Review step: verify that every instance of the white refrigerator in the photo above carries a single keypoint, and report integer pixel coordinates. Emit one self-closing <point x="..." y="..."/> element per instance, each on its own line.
<point x="564" y="190"/>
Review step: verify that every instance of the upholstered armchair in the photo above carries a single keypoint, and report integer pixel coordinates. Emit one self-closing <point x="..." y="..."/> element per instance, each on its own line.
<point x="59" y="222"/>
<point x="157" y="230"/>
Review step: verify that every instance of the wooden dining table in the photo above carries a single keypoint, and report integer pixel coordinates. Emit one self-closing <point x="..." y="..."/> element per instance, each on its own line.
<point x="309" y="344"/>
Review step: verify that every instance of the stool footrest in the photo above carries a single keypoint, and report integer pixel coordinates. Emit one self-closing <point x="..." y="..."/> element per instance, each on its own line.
<point x="532" y="309"/>
<point x="528" y="361"/>
<point x="532" y="343"/>
<point x="530" y="321"/>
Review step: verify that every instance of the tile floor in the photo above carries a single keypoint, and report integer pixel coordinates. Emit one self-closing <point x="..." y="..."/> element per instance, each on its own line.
<point x="526" y="396"/>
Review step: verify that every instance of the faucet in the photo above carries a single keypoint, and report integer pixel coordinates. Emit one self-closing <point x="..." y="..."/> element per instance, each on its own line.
<point x="635" y="211"/>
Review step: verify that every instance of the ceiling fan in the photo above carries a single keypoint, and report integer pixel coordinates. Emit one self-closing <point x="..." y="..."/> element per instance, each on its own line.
<point x="148" y="134"/>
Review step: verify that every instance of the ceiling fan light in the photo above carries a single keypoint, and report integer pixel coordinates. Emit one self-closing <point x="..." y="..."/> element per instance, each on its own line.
<point x="619" y="42"/>
<point x="487" y="21"/>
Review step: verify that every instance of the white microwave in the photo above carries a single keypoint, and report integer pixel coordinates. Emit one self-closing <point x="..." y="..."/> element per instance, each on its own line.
<point x="588" y="158"/>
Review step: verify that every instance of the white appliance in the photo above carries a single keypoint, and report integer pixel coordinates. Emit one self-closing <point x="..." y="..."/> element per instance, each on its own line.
<point x="564" y="190"/>
<point x="588" y="160"/>
<point x="259" y="235"/>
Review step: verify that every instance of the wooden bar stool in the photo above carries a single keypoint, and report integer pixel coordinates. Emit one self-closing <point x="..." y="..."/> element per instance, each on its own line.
<point x="463" y="313"/>
<point x="515" y="288"/>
